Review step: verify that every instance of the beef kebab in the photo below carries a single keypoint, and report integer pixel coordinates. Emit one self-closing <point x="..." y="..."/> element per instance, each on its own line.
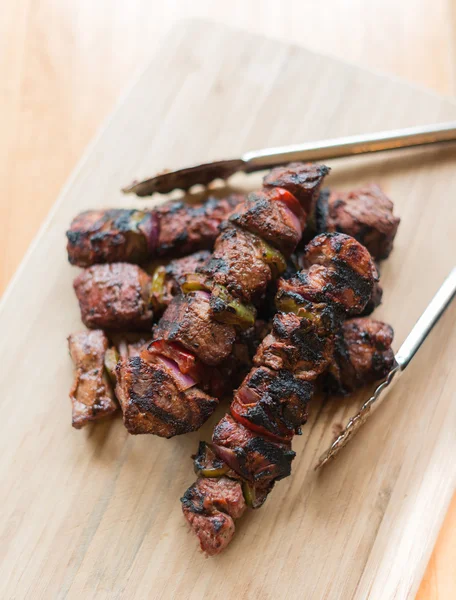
<point x="176" y="228"/>
<point x="164" y="391"/>
<point x="251" y="446"/>
<point x="137" y="236"/>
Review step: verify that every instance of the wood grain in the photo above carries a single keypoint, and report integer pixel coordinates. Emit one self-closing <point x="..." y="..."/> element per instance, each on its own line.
<point x="95" y="513"/>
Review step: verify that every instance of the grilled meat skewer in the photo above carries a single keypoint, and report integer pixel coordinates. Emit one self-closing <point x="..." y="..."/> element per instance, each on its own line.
<point x="252" y="445"/>
<point x="171" y="230"/>
<point x="197" y="330"/>
<point x="176" y="228"/>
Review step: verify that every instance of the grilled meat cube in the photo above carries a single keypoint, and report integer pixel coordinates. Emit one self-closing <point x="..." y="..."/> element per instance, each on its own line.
<point x="298" y="344"/>
<point x="153" y="401"/>
<point x="340" y="271"/>
<point x="373" y="303"/>
<point x="303" y="180"/>
<point x="363" y="354"/>
<point x="210" y="507"/>
<point x="272" y="220"/>
<point x="185" y="228"/>
<point x="107" y="236"/>
<point x="187" y="321"/>
<point x="91" y="394"/>
<point x="253" y="456"/>
<point x="272" y="403"/>
<point x="114" y="296"/>
<point x="166" y="280"/>
<point x="136" y="388"/>
<point x="366" y="214"/>
<point x="237" y="264"/>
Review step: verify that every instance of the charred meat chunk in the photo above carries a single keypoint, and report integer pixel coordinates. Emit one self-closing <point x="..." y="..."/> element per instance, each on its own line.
<point x="363" y="354"/>
<point x="253" y="456"/>
<point x="91" y="394"/>
<point x="303" y="180"/>
<point x="187" y="321"/>
<point x="114" y="296"/>
<point x="298" y="344"/>
<point x="210" y="507"/>
<point x="272" y="403"/>
<point x="154" y="398"/>
<point x="270" y="219"/>
<point x="185" y="228"/>
<point x="107" y="236"/>
<point x="339" y="270"/>
<point x="366" y="214"/>
<point x="237" y="263"/>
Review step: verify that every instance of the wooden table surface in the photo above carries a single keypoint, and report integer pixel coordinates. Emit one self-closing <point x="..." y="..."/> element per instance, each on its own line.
<point x="63" y="64"/>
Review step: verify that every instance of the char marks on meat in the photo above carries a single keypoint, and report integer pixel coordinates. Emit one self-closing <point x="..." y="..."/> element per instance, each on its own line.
<point x="303" y="180"/>
<point x="262" y="215"/>
<point x="272" y="403"/>
<point x="253" y="456"/>
<point x="151" y="400"/>
<point x="115" y="235"/>
<point x="298" y="343"/>
<point x="185" y="228"/>
<point x="135" y="236"/>
<point x="237" y="264"/>
<point x="338" y="270"/>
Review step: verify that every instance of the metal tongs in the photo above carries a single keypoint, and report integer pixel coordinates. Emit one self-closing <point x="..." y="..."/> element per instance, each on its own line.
<point x="259" y="160"/>
<point x="406" y="352"/>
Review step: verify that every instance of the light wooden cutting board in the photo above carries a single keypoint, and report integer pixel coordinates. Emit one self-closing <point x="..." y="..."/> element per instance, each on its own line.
<point x="96" y="513"/>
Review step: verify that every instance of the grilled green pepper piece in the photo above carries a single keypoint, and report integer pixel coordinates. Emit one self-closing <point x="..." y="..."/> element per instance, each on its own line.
<point x="227" y="309"/>
<point x="273" y="258"/>
<point x="194" y="282"/>
<point x="157" y="288"/>
<point x="249" y="494"/>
